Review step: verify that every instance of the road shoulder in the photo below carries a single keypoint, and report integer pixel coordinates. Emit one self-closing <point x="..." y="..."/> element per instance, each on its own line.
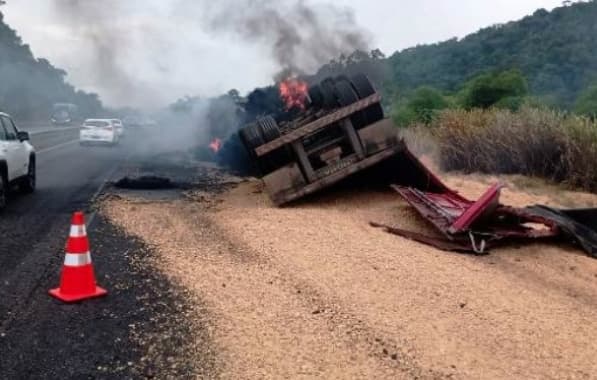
<point x="140" y="329"/>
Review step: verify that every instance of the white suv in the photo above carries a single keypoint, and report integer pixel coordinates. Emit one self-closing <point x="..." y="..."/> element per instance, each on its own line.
<point x="17" y="159"/>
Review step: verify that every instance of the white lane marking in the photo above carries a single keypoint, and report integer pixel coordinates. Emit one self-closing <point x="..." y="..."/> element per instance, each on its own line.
<point x="57" y="146"/>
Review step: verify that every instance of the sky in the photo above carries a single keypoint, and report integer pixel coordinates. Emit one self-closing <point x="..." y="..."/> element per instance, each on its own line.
<point x="168" y="53"/>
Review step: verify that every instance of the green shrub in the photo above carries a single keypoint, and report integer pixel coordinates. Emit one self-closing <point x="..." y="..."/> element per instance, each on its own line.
<point x="587" y="103"/>
<point x="422" y="107"/>
<point x="533" y="142"/>
<point x="505" y="89"/>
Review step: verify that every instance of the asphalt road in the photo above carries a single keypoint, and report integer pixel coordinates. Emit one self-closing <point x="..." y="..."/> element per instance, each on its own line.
<point x="42" y="338"/>
<point x="67" y="177"/>
<point x="33" y="229"/>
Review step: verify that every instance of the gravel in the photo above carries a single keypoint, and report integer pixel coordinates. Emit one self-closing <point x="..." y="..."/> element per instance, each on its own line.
<point x="312" y="291"/>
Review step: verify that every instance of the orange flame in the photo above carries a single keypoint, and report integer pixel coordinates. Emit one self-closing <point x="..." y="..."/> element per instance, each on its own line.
<point x="294" y="93"/>
<point x="215" y="145"/>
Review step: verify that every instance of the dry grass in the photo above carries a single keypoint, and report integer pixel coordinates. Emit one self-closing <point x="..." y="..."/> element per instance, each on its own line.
<point x="531" y="142"/>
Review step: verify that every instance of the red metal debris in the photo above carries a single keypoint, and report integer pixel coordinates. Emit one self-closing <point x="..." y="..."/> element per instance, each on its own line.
<point x="475" y="226"/>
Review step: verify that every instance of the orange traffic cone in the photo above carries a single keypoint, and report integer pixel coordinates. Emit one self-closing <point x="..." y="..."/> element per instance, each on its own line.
<point x="77" y="281"/>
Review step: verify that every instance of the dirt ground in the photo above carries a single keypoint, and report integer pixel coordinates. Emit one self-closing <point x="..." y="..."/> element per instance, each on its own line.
<point x="311" y="291"/>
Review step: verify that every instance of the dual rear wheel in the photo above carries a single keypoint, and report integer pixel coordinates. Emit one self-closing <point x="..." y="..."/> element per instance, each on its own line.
<point x="259" y="133"/>
<point x="331" y="93"/>
<point x="343" y="91"/>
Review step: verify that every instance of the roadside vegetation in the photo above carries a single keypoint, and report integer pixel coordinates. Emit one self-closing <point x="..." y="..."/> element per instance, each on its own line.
<point x="535" y="142"/>
<point x="493" y="125"/>
<point x="31" y="85"/>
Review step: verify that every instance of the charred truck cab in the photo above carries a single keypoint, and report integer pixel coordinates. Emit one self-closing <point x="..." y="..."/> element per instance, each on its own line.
<point x="341" y="132"/>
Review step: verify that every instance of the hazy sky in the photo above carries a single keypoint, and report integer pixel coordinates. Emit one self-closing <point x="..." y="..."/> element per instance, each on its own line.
<point x="170" y="55"/>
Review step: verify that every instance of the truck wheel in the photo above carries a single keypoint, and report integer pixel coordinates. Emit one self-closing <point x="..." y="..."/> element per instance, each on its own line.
<point x="279" y="157"/>
<point x="3" y="191"/>
<point x="316" y="96"/>
<point x="27" y="186"/>
<point x="251" y="138"/>
<point x="362" y="85"/>
<point x="327" y="90"/>
<point x="347" y="96"/>
<point x="269" y="128"/>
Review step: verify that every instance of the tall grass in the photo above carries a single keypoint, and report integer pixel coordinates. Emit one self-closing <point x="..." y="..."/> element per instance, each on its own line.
<point x="534" y="142"/>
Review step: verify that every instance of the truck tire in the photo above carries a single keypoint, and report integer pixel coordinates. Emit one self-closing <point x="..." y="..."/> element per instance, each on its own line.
<point x="327" y="90"/>
<point x="279" y="157"/>
<point x="27" y="185"/>
<point x="316" y="96"/>
<point x="251" y="138"/>
<point x="363" y="87"/>
<point x="269" y="128"/>
<point x="347" y="96"/>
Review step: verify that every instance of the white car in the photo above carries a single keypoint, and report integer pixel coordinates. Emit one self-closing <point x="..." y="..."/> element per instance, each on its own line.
<point x="17" y="159"/>
<point x="119" y="127"/>
<point x="101" y="131"/>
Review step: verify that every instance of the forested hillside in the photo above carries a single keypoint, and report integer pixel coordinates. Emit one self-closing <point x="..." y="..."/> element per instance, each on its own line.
<point x="556" y="51"/>
<point x="29" y="86"/>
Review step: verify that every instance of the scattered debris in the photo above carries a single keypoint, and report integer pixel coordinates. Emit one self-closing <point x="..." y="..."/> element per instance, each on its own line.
<point x="578" y="225"/>
<point x="145" y="183"/>
<point x="476" y="226"/>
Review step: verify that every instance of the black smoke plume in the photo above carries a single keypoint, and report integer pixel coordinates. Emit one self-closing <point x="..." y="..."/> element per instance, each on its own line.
<point x="301" y="35"/>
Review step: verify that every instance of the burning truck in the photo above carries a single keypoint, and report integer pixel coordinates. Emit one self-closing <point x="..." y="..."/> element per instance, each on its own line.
<point x="340" y="130"/>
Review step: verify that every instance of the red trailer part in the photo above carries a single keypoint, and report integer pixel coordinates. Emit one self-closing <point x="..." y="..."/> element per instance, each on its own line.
<point x="476" y="226"/>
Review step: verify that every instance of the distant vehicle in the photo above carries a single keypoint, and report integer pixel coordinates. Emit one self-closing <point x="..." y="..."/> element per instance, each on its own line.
<point x="119" y="127"/>
<point x="64" y="114"/>
<point x="132" y="122"/>
<point x="100" y="131"/>
<point x="137" y="122"/>
<point x="17" y="159"/>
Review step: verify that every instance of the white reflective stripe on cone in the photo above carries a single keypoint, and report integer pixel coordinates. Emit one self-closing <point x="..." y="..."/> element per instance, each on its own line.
<point x="77" y="259"/>
<point x="77" y="231"/>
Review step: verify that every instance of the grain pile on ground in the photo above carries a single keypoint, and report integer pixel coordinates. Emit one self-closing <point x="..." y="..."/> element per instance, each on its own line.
<point x="313" y="291"/>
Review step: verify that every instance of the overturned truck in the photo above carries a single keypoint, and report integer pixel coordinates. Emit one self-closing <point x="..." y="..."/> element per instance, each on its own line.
<point x="342" y="131"/>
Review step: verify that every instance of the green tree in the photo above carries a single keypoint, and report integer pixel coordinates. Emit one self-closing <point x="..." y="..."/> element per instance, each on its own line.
<point x="587" y="102"/>
<point x="31" y="85"/>
<point x="555" y="50"/>
<point x="506" y="89"/>
<point x="422" y="107"/>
